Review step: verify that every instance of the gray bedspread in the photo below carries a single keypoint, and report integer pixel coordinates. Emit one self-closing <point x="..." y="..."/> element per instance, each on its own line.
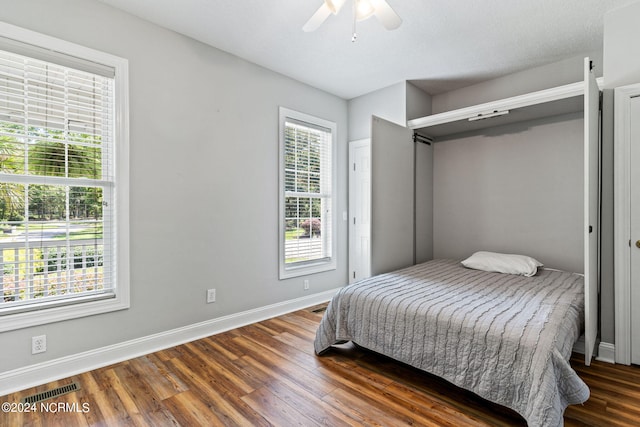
<point x="506" y="338"/>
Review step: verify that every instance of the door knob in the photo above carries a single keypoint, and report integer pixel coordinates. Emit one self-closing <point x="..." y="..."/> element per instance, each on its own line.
<point x="638" y="244"/>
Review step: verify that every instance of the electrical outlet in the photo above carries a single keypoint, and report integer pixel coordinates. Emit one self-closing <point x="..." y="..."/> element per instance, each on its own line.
<point x="306" y="285"/>
<point x="38" y="344"/>
<point x="211" y="295"/>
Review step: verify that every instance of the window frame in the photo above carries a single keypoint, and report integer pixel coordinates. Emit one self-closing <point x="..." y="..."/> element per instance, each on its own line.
<point x="87" y="306"/>
<point x="321" y="265"/>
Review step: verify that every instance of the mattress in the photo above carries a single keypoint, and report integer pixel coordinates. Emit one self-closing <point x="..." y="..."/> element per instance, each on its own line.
<point x="505" y="337"/>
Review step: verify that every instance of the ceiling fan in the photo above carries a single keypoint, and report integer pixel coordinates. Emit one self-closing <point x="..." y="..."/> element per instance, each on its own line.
<point x="362" y="9"/>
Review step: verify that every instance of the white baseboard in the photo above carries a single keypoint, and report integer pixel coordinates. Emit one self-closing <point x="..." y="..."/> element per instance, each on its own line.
<point x="579" y="345"/>
<point x="606" y="352"/>
<point x="53" y="370"/>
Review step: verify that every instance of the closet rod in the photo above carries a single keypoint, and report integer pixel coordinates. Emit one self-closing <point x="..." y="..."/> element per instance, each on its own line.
<point x="421" y="138"/>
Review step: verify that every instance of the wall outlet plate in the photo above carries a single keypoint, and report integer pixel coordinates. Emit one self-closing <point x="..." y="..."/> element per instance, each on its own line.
<point x="211" y="296"/>
<point x="38" y="344"/>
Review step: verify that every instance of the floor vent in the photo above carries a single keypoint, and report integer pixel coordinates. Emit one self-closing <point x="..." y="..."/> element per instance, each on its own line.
<point x="50" y="394"/>
<point x="319" y="310"/>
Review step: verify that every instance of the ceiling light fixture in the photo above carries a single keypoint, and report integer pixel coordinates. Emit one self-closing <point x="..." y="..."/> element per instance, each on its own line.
<point x="362" y="9"/>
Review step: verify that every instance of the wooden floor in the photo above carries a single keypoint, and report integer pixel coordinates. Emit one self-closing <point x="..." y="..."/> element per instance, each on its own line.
<point x="267" y="374"/>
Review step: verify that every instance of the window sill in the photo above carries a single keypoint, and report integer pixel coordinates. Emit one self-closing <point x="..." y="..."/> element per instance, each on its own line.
<point x="306" y="269"/>
<point x="43" y="316"/>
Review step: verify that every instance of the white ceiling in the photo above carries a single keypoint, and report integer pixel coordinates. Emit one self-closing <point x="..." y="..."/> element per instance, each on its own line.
<point x="445" y="44"/>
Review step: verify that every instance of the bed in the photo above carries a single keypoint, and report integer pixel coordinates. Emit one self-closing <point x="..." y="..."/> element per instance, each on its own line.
<point x="505" y="337"/>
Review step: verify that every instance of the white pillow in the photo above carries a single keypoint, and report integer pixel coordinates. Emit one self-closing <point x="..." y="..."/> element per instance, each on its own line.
<point x="503" y="263"/>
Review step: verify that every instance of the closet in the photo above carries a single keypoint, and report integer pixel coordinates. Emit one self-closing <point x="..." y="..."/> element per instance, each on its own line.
<point x="400" y="214"/>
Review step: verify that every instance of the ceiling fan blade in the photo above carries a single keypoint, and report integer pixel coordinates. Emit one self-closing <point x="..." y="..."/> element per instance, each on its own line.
<point x="387" y="16"/>
<point x="335" y="5"/>
<point x="317" y="19"/>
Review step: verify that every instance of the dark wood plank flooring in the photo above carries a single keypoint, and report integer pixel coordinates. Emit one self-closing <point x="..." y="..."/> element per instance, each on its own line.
<point x="266" y="374"/>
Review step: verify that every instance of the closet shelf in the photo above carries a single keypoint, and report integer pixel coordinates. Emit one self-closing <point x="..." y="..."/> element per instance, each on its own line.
<point x="544" y="103"/>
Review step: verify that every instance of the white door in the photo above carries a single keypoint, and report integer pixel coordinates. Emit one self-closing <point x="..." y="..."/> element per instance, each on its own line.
<point x="626" y="189"/>
<point x="359" y="209"/>
<point x="392" y="197"/>
<point x="591" y="203"/>
<point x="634" y="129"/>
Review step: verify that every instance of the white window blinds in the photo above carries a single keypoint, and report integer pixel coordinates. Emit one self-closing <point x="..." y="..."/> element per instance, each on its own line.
<point x="307" y="223"/>
<point x="57" y="235"/>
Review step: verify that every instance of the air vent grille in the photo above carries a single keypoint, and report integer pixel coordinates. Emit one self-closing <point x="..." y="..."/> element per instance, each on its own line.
<point x="50" y="394"/>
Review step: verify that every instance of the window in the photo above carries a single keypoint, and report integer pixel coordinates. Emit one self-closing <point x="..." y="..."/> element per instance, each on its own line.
<point x="63" y="246"/>
<point x="307" y="185"/>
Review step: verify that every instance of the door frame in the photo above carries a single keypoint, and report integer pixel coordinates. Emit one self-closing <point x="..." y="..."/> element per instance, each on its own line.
<point x="622" y="220"/>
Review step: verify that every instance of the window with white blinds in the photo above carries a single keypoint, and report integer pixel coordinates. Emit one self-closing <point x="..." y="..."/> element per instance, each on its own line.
<point x="58" y="182"/>
<point x="307" y="191"/>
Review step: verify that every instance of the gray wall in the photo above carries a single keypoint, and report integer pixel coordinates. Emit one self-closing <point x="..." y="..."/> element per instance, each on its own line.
<point x="621" y="48"/>
<point x="201" y="120"/>
<point x="388" y="103"/>
<point x="396" y="103"/>
<point x="418" y="102"/>
<point x="559" y="73"/>
<point x="514" y="189"/>
<point x="424" y="202"/>
<point x="621" y="67"/>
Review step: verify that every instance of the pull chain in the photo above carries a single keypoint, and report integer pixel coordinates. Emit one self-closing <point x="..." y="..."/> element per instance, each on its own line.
<point x="354" y="36"/>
